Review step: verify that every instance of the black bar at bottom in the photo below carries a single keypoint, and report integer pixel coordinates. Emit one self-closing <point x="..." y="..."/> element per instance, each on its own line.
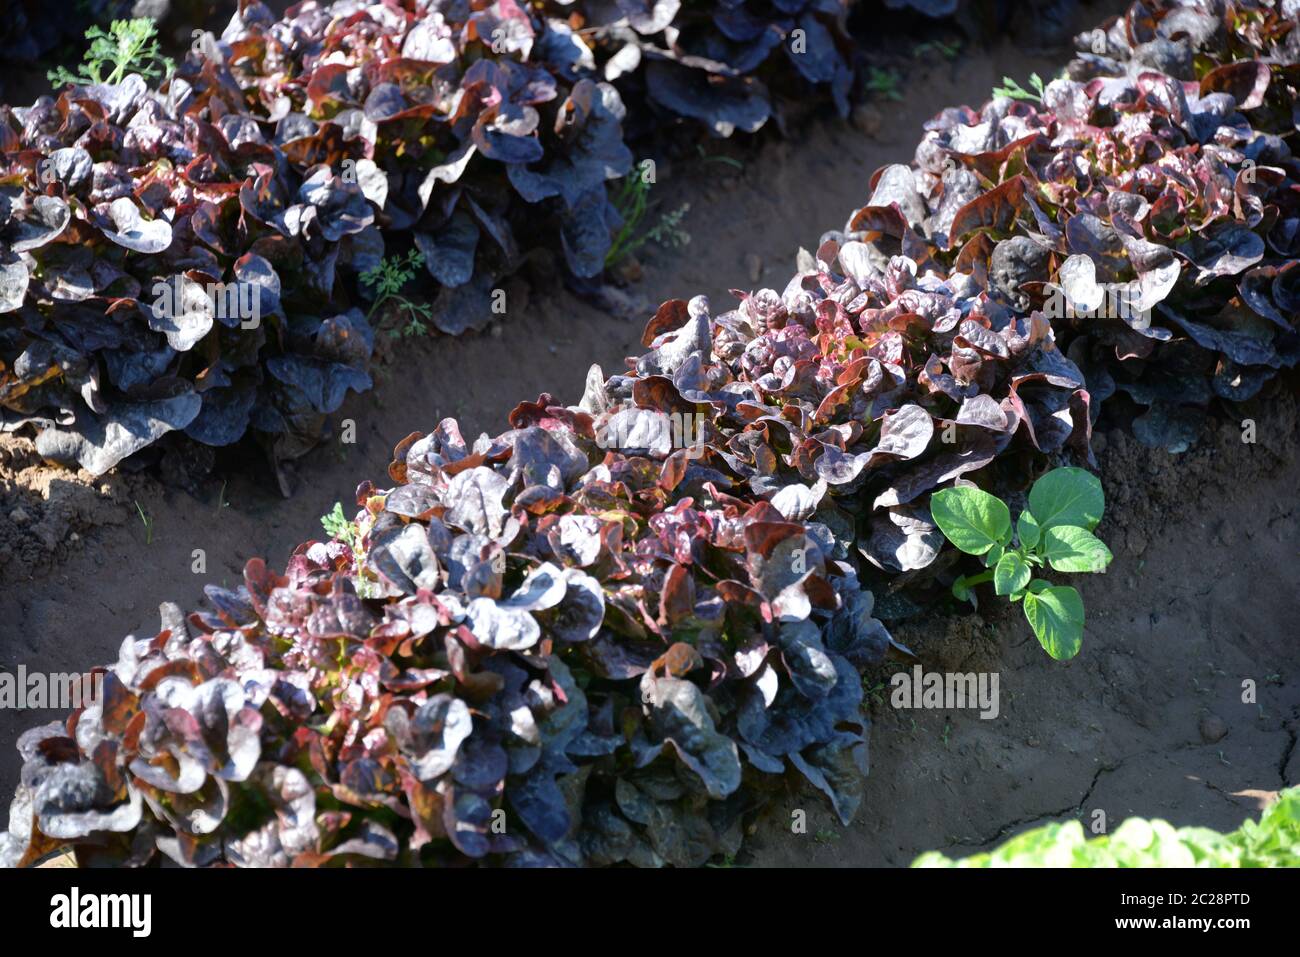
<point x="370" y="905"/>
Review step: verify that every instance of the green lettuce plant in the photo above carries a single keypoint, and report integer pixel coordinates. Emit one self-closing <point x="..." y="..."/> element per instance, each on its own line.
<point x="1273" y="841"/>
<point x="1065" y="505"/>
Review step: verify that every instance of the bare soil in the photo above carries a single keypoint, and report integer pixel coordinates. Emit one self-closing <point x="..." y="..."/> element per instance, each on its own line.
<point x="1199" y="597"/>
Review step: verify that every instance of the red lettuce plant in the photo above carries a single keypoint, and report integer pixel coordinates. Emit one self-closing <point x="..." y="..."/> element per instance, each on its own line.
<point x="446" y="111"/>
<point x="719" y="63"/>
<point x="1152" y="216"/>
<point x="573" y="628"/>
<point x="268" y="163"/>
<point x="121" y="211"/>
<point x="459" y="117"/>
<point x="260" y="175"/>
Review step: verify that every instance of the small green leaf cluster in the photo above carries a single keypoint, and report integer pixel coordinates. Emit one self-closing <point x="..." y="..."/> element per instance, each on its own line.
<point x="630" y="198"/>
<point x="632" y="201"/>
<point x="128" y="46"/>
<point x="1056" y="529"/>
<point x="391" y="274"/>
<point x="1013" y="90"/>
<point x="387" y="280"/>
<point x="338" y="525"/>
<point x="1273" y="841"/>
<point x="883" y="83"/>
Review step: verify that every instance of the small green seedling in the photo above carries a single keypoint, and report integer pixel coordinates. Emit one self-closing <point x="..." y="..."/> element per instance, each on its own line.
<point x="883" y="83"/>
<point x="713" y="158"/>
<point x="129" y="46"/>
<point x="147" y="521"/>
<point x="338" y="525"/>
<point x="944" y="49"/>
<point x="1010" y="88"/>
<point x="387" y="280"/>
<point x="1065" y="505"/>
<point x="632" y="200"/>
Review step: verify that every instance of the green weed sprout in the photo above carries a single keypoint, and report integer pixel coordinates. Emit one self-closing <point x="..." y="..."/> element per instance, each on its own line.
<point x="1010" y="88"/>
<point x="1065" y="505"/>
<point x="338" y="525"/>
<point x="632" y="200"/>
<point x="128" y="46"/>
<point x="387" y="280"/>
<point x="147" y="521"/>
<point x="883" y="83"/>
<point x="947" y="50"/>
